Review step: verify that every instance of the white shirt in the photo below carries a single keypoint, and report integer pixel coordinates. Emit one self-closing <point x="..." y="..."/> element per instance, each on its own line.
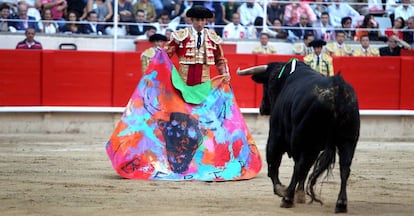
<point x="248" y="15"/>
<point x="400" y="11"/>
<point x="195" y="33"/>
<point x="338" y="11"/>
<point x="231" y="31"/>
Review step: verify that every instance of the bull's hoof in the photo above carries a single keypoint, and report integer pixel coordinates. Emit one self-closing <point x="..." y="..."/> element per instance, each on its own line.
<point x="286" y="203"/>
<point x="341" y="207"/>
<point x="279" y="190"/>
<point x="300" y="197"/>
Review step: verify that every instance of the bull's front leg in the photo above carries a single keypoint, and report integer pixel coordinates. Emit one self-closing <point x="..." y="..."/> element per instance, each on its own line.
<point x="288" y="199"/>
<point x="274" y="158"/>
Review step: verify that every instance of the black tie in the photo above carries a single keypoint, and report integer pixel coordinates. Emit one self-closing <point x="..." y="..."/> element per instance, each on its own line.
<point x="317" y="60"/>
<point x="198" y="40"/>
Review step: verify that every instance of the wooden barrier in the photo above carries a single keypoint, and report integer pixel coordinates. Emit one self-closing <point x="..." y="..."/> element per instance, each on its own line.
<point x="20" y="77"/>
<point x="88" y="78"/>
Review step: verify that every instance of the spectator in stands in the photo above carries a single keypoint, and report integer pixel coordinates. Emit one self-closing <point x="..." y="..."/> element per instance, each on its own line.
<point x="274" y="11"/>
<point x="29" y="42"/>
<point x="347" y="28"/>
<point x="365" y="49"/>
<point x="300" y="29"/>
<point x="79" y="7"/>
<point x="319" y="8"/>
<point x="158" y="6"/>
<point x="390" y="6"/>
<point x="171" y="7"/>
<point x="295" y="10"/>
<point x="185" y="22"/>
<point x="72" y="25"/>
<point x="404" y="10"/>
<point x="228" y="9"/>
<point x="91" y="26"/>
<point x="264" y="47"/>
<point x="234" y="30"/>
<point x="168" y="33"/>
<point x="139" y="27"/>
<point x="277" y="31"/>
<point x="319" y="61"/>
<point x="397" y="28"/>
<point x="24" y="21"/>
<point x="249" y="11"/>
<point x="164" y="23"/>
<point x="147" y="7"/>
<point x="256" y="29"/>
<point x="369" y="27"/>
<point x="47" y="25"/>
<point x="215" y="7"/>
<point x="393" y="49"/>
<point x="304" y="48"/>
<point x="57" y="7"/>
<point x="12" y="5"/>
<point x="126" y="11"/>
<point x="103" y="9"/>
<point x="338" y="10"/>
<point x="197" y="49"/>
<point x="339" y="47"/>
<point x="408" y="34"/>
<point x="120" y="29"/>
<point x="31" y="9"/>
<point x="322" y="29"/>
<point x="156" y="41"/>
<point x="4" y="16"/>
<point x="373" y="6"/>
<point x="150" y="30"/>
<point x="184" y="7"/>
<point x="211" y="24"/>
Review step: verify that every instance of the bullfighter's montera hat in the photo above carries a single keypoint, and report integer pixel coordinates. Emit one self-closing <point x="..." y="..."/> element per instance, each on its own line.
<point x="199" y="12"/>
<point x="157" y="37"/>
<point x="317" y="43"/>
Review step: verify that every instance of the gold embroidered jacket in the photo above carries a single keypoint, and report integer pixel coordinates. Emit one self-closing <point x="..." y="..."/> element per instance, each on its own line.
<point x="325" y="66"/>
<point x="183" y="44"/>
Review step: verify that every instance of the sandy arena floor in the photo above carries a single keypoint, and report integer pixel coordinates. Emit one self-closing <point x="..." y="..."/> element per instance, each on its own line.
<point x="71" y="174"/>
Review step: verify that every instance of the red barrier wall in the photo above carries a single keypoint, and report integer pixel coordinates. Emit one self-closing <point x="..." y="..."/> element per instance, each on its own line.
<point x="376" y="80"/>
<point x="85" y="78"/>
<point x="20" y="77"/>
<point x="126" y="74"/>
<point x="77" y="78"/>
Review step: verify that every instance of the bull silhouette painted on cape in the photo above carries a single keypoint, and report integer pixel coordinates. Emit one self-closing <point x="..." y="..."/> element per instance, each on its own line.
<point x="311" y="118"/>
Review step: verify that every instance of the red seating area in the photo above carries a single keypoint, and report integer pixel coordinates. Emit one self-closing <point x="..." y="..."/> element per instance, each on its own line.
<point x="89" y="78"/>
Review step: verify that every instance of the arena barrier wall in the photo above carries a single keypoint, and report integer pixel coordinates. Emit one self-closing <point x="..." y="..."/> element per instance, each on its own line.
<point x="107" y="79"/>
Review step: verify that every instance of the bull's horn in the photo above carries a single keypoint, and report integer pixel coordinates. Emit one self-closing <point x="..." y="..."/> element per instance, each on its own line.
<point x="252" y="70"/>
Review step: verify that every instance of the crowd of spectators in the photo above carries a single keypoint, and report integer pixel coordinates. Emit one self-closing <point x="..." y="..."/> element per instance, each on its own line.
<point x="246" y="19"/>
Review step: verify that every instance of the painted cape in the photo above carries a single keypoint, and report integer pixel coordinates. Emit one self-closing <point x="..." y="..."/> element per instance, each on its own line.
<point x="162" y="137"/>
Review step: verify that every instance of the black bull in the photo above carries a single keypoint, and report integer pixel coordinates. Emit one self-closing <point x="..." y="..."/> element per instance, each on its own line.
<point x="311" y="117"/>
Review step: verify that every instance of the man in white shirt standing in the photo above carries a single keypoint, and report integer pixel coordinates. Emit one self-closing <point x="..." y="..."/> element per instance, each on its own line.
<point x="234" y="30"/>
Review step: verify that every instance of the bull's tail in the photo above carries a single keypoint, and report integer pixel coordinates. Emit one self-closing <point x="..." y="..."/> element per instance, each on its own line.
<point x="324" y="162"/>
<point x="344" y="96"/>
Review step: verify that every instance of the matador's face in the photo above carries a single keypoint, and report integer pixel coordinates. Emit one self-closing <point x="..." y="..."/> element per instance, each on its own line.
<point x="199" y="23"/>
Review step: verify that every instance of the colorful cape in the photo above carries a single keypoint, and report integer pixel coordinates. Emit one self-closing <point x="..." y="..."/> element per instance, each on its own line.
<point x="162" y="137"/>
